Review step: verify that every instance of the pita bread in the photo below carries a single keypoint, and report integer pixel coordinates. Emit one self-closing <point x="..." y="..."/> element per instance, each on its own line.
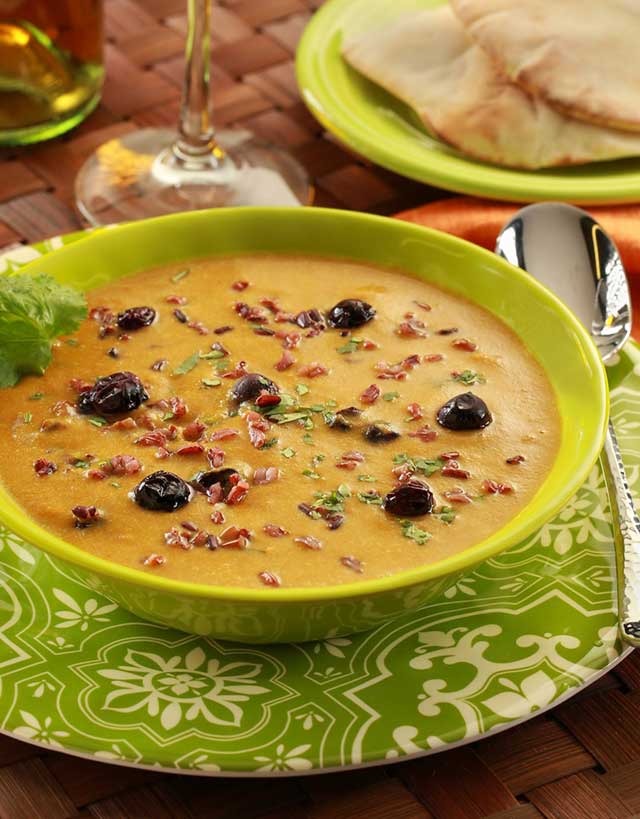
<point x="581" y="56"/>
<point x="428" y="61"/>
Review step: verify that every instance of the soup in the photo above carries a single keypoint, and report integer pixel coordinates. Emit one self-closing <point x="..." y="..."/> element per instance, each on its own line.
<point x="280" y="421"/>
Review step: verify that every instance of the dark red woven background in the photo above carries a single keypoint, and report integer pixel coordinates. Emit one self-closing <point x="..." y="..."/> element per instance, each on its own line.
<point x="581" y="761"/>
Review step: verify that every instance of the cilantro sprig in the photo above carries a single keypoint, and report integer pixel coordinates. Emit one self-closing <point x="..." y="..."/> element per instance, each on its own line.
<point x="34" y="311"/>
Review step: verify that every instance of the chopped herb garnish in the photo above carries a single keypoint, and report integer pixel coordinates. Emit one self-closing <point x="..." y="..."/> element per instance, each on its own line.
<point x="390" y="396"/>
<point x="214" y="354"/>
<point x="308" y="439"/>
<point x="211" y="382"/>
<point x="36" y="396"/>
<point x="367" y="478"/>
<point x="371" y="497"/>
<point x="309" y="473"/>
<point x="350" y="347"/>
<point x="332" y="501"/>
<point x="331" y="403"/>
<point x="27" y="417"/>
<point x="418" y="464"/>
<point x="72" y="342"/>
<point x="468" y="377"/>
<point x="81" y="464"/>
<point x="222" y="366"/>
<point x="271" y="442"/>
<point x="414" y="532"/>
<point x="446" y="514"/>
<point x="288" y="452"/>
<point x="187" y="365"/>
<point x="302" y="389"/>
<point x="167" y="416"/>
<point x="317" y="459"/>
<point x="179" y="276"/>
<point x="116" y="484"/>
<point x="97" y="421"/>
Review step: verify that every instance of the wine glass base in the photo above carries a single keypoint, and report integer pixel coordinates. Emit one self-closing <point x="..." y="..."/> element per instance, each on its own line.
<point x="139" y="176"/>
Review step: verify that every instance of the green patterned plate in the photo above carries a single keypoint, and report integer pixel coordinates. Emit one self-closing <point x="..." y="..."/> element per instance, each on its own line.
<point x="380" y="127"/>
<point x="523" y="631"/>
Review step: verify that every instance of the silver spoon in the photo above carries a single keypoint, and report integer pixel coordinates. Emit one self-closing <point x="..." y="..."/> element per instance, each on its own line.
<point x="568" y="251"/>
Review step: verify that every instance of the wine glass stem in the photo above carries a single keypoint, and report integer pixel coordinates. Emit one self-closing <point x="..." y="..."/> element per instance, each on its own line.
<point x="195" y="132"/>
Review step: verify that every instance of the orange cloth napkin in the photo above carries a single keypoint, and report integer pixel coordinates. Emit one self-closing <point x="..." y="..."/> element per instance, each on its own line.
<point x="479" y="221"/>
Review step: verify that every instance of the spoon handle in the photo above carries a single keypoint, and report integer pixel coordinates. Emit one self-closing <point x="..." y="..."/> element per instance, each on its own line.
<point x="628" y="556"/>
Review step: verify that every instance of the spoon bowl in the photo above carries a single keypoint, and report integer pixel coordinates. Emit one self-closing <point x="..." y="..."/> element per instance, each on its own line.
<point x="568" y="251"/>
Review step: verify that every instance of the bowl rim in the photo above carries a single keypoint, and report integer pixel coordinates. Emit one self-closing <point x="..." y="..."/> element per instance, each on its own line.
<point x="18" y="521"/>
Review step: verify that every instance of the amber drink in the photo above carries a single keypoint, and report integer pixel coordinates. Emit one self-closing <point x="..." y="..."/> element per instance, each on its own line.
<point x="51" y="66"/>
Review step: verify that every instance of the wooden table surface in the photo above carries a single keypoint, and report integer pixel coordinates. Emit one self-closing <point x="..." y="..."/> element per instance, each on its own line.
<point x="579" y="761"/>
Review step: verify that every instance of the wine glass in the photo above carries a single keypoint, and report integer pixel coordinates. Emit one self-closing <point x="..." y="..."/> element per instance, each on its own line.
<point x="154" y="171"/>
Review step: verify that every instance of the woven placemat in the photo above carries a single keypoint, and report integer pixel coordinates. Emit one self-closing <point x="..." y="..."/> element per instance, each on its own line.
<point x="581" y="761"/>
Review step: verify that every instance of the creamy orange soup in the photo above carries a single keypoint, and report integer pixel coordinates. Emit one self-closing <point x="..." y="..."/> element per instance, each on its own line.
<point x="311" y="495"/>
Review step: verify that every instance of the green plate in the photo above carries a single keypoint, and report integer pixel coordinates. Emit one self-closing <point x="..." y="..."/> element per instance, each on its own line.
<point x="523" y="631"/>
<point x="381" y="128"/>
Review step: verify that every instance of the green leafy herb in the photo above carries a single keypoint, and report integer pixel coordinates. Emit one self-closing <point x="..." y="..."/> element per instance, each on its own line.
<point x="27" y="417"/>
<point x="97" y="421"/>
<point x="371" y="497"/>
<point x="333" y="500"/>
<point x="468" y="377"/>
<point x="350" y="347"/>
<point x="167" y="416"/>
<point x="446" y="514"/>
<point x="222" y="365"/>
<point x="34" y="310"/>
<point x="116" y="484"/>
<point x="187" y="365"/>
<point x="81" y="464"/>
<point x="390" y="396"/>
<point x="36" y="396"/>
<point x="211" y="382"/>
<point x="317" y="459"/>
<point x="309" y="473"/>
<point x="302" y="389"/>
<point x="414" y="532"/>
<point x="308" y="439"/>
<point x="418" y="464"/>
<point x="214" y="354"/>
<point x="367" y="478"/>
<point x="288" y="452"/>
<point x="271" y="442"/>
<point x="179" y="276"/>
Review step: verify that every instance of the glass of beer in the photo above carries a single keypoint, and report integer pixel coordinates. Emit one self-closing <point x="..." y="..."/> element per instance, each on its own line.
<point x="156" y="171"/>
<point x="51" y="66"/>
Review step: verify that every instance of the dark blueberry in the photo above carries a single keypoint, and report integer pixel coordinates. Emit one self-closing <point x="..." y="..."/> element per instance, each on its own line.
<point x="113" y="395"/>
<point x="336" y="420"/>
<point x="135" y="318"/>
<point x="410" y="500"/>
<point x="380" y="432"/>
<point x="350" y="412"/>
<point x="162" y="492"/>
<point x="202" y="481"/>
<point x="249" y="387"/>
<point x="350" y="313"/>
<point x="464" y="411"/>
<point x="309" y="318"/>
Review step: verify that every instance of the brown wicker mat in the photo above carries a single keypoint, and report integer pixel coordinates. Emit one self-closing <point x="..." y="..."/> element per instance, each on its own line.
<point x="580" y="761"/>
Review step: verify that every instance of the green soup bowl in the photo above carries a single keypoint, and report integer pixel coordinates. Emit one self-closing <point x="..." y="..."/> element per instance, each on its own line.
<point x="548" y="329"/>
